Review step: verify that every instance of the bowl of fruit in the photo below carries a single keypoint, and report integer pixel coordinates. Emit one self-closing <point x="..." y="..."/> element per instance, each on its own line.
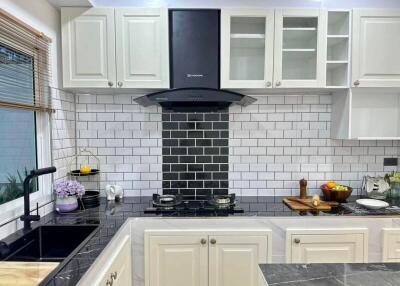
<point x="335" y="192"/>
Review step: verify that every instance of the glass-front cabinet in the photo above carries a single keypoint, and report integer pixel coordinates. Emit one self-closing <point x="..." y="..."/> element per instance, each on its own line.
<point x="300" y="48"/>
<point x="247" y="48"/>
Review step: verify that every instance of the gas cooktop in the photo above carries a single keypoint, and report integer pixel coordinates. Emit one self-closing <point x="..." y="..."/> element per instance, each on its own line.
<point x="178" y="205"/>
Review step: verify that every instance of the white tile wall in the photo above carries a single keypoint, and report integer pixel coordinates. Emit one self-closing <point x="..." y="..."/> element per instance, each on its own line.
<point x="63" y="131"/>
<point x="125" y="137"/>
<point x="273" y="144"/>
<point x="281" y="139"/>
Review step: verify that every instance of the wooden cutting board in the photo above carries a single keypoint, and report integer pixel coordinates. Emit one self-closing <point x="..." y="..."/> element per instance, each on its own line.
<point x="24" y="273"/>
<point x="294" y="204"/>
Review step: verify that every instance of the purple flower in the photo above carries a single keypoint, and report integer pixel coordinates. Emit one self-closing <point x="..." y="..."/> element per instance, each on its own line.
<point x="64" y="189"/>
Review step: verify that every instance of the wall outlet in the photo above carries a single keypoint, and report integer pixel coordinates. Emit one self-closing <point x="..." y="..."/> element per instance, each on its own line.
<point x="390" y="162"/>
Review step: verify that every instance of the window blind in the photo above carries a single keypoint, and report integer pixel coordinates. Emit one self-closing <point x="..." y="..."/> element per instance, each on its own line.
<point x="24" y="66"/>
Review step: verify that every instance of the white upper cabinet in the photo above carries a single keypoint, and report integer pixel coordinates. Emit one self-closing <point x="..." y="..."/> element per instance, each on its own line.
<point x="247" y="48"/>
<point x="88" y="47"/>
<point x="300" y="48"/>
<point x="121" y="48"/>
<point x="142" y="48"/>
<point x="376" y="45"/>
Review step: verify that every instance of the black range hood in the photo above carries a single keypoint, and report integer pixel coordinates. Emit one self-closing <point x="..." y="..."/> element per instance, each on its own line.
<point x="194" y="65"/>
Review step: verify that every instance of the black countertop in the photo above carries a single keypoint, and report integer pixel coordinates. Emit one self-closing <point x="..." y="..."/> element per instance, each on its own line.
<point x="365" y="274"/>
<point x="110" y="217"/>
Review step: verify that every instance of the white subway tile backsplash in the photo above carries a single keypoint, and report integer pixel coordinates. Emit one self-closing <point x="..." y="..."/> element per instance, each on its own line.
<point x="298" y="144"/>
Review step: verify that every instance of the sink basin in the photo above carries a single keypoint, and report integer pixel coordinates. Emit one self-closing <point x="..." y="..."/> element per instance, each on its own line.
<point x="49" y="243"/>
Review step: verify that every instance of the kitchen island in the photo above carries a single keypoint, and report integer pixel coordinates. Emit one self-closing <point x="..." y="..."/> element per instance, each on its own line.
<point x="365" y="274"/>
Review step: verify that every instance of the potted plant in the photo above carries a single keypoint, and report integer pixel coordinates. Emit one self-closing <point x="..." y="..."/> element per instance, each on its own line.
<point x="67" y="193"/>
<point x="394" y="180"/>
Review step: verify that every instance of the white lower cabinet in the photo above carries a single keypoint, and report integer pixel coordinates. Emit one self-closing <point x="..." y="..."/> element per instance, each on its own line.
<point x="391" y="245"/>
<point x="118" y="272"/>
<point x="200" y="258"/>
<point x="327" y="245"/>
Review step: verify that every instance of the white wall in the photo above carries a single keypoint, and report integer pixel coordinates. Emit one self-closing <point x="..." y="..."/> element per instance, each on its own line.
<point x="45" y="18"/>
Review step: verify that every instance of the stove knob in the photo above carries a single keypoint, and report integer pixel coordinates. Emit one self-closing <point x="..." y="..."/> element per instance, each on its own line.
<point x="213" y="241"/>
<point x="203" y="241"/>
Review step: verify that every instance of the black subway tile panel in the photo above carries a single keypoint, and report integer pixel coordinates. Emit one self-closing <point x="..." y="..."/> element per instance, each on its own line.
<point x="195" y="152"/>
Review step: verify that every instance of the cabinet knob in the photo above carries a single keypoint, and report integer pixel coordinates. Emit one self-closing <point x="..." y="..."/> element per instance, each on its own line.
<point x="268" y="83"/>
<point x="357" y="83"/>
<point x="110" y="83"/>
<point x="120" y="83"/>
<point x="297" y="240"/>
<point x="114" y="275"/>
<point x="213" y="241"/>
<point x="278" y="83"/>
<point x="109" y="282"/>
<point x="203" y="241"/>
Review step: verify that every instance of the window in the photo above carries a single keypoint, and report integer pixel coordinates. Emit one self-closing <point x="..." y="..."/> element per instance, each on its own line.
<point x="25" y="103"/>
<point x="17" y="126"/>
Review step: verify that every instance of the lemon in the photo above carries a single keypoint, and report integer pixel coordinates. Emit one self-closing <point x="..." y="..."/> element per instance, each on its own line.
<point x="85" y="169"/>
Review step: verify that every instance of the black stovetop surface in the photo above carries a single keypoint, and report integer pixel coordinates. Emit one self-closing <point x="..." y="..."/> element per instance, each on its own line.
<point x="194" y="206"/>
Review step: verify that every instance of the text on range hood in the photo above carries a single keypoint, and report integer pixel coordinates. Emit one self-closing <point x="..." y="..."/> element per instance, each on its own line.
<point x="194" y="65"/>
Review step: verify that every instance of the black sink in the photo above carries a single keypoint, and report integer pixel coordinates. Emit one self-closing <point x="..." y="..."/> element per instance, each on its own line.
<point x="49" y="243"/>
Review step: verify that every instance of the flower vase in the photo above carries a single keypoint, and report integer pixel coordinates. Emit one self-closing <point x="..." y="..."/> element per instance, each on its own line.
<point x="66" y="204"/>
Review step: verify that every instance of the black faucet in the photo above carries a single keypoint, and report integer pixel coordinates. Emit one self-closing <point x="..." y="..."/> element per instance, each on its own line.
<point x="27" y="217"/>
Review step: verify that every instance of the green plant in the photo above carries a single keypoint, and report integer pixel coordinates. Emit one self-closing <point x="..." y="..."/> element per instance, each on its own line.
<point x="14" y="188"/>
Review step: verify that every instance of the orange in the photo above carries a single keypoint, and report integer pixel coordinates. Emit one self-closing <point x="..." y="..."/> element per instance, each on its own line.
<point x="331" y="185"/>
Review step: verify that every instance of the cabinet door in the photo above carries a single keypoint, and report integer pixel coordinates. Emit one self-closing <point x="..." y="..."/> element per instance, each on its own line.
<point x="234" y="258"/>
<point x="376" y="45"/>
<point x="142" y="48"/>
<point x="247" y="48"/>
<point x="327" y="246"/>
<point x="176" y="260"/>
<point x="119" y="272"/>
<point x="391" y="245"/>
<point x="88" y="47"/>
<point x="300" y="48"/>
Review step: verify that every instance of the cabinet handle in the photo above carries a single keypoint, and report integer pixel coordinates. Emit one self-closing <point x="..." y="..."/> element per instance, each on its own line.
<point x="109" y="283"/>
<point x="357" y="83"/>
<point x="110" y="83"/>
<point x="120" y="83"/>
<point x="297" y="240"/>
<point x="213" y="241"/>
<point x="278" y="83"/>
<point x="203" y="241"/>
<point x="114" y="275"/>
<point x="268" y="83"/>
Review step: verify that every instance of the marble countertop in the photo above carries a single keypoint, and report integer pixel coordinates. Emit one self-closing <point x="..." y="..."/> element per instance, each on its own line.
<point x="24" y="273"/>
<point x="358" y="274"/>
<point x="110" y="216"/>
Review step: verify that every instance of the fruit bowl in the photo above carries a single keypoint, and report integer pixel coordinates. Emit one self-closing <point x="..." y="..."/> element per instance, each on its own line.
<point x="337" y="196"/>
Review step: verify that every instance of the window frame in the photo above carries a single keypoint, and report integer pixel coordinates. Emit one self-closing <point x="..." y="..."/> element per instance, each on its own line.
<point x="43" y="150"/>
